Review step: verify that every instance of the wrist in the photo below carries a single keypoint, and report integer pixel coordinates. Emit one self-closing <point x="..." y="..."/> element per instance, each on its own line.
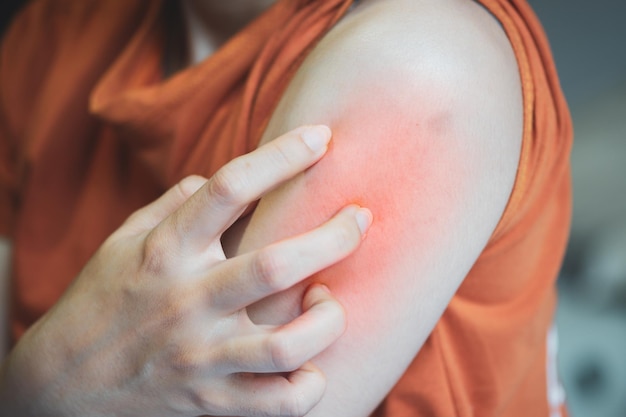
<point x="27" y="382"/>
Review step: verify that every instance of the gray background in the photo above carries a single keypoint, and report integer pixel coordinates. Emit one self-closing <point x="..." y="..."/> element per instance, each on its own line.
<point x="588" y="40"/>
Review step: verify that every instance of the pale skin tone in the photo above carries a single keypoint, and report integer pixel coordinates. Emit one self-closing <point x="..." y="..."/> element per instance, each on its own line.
<point x="156" y="322"/>
<point x="413" y="112"/>
<point x="420" y="143"/>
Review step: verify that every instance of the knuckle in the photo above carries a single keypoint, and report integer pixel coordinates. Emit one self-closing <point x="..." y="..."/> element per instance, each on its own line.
<point x="189" y="185"/>
<point x="207" y="402"/>
<point x="302" y="395"/>
<point x="268" y="268"/>
<point x="154" y="254"/>
<point x="228" y="186"/>
<point x="175" y="308"/>
<point x="186" y="359"/>
<point x="181" y="361"/>
<point x="282" y="353"/>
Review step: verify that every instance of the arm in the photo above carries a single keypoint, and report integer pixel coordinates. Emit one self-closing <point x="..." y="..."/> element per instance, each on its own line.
<point x="427" y="128"/>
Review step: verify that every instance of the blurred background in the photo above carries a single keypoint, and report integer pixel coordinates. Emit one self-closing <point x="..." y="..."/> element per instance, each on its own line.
<point x="589" y="44"/>
<point x="588" y="40"/>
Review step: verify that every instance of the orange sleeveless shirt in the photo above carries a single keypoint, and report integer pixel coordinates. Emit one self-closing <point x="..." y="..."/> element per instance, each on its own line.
<point x="91" y="131"/>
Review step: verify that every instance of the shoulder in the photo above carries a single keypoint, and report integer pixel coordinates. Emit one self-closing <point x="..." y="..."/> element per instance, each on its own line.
<point x="425" y="103"/>
<point x="444" y="56"/>
<point x="445" y="41"/>
<point x="436" y="75"/>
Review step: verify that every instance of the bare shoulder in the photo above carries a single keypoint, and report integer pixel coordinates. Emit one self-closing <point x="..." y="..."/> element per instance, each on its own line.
<point x="451" y="53"/>
<point x="424" y="101"/>
<point x="420" y="83"/>
<point x="425" y="104"/>
<point x="443" y="66"/>
<point x="445" y="37"/>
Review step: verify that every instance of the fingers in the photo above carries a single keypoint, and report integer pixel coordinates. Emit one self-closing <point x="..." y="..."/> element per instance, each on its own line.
<point x="269" y="373"/>
<point x="248" y="278"/>
<point x="149" y="216"/>
<point x="293" y="395"/>
<point x="245" y="179"/>
<point x="286" y="348"/>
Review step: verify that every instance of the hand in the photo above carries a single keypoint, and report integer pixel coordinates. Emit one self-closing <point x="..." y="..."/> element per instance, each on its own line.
<point x="156" y="323"/>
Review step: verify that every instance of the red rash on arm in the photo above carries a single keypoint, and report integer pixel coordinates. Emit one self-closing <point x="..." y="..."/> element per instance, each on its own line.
<point x="408" y="166"/>
<point x="391" y="166"/>
<point x="426" y="134"/>
<point x="404" y="169"/>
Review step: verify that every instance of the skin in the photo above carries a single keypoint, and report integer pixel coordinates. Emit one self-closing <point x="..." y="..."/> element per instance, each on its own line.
<point x="418" y="142"/>
<point x="125" y="338"/>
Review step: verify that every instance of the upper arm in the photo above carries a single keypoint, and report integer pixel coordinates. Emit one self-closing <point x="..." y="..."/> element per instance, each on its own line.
<point x="427" y="127"/>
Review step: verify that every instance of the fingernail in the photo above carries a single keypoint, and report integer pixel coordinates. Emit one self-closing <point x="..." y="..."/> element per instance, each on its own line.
<point x="363" y="219"/>
<point x="316" y="137"/>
